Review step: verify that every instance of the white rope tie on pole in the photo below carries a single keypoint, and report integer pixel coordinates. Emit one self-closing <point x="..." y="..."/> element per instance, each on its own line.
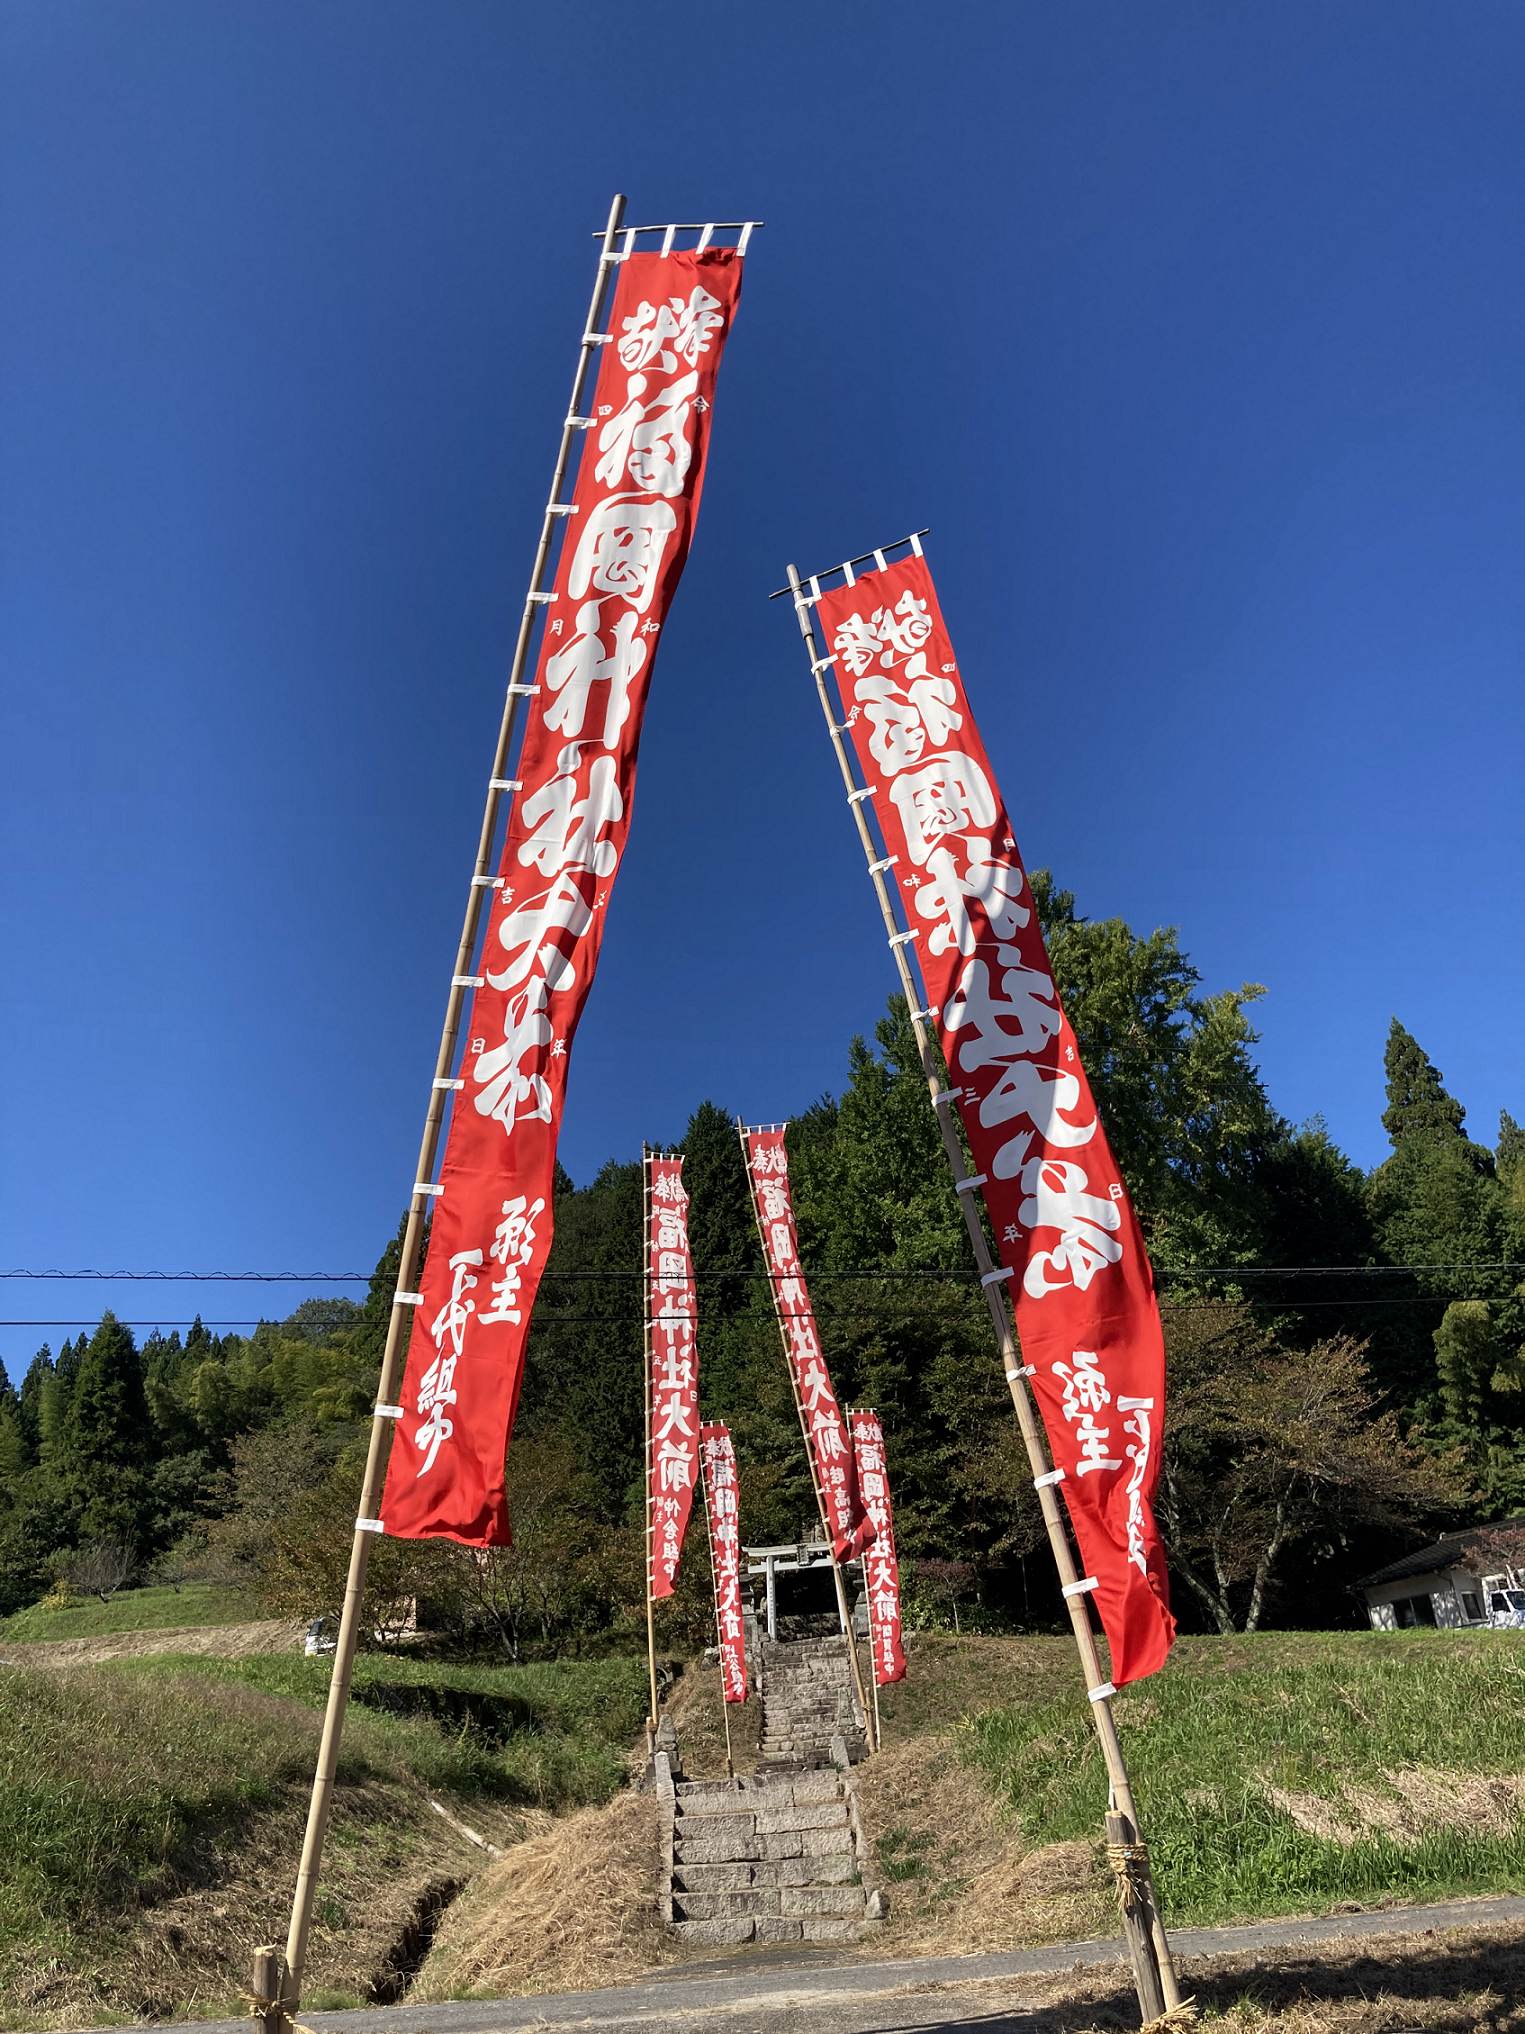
<point x="968" y="1184"/>
<point x="1100" y="1694"/>
<point x="884" y="862"/>
<point x="467" y="981"/>
<point x="857" y="797"/>
<point x="505" y="784"/>
<point x="1081" y="1588"/>
<point x="1023" y="1370"/>
<point x="995" y="1277"/>
<point x="455" y="1085"/>
<point x="369" y="1525"/>
<point x="904" y="938"/>
<point x="422" y="1187"/>
<point x="1052" y="1476"/>
<point x="488" y="882"/>
<point x="945" y="1095"/>
<point x="407" y="1299"/>
<point x="564" y="508"/>
<point x="523" y="691"/>
<point x="389" y="1412"/>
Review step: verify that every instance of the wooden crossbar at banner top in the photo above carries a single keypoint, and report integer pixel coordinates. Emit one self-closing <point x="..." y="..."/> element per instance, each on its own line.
<point x="799" y="1406"/>
<point x="1153" y="1966"/>
<point x="367" y="1525"/>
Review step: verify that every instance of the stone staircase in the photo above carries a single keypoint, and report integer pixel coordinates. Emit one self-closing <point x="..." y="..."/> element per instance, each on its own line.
<point x="766" y="1857"/>
<point x="811" y="1716"/>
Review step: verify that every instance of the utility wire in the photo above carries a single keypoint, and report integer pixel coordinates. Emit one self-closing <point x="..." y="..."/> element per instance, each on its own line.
<point x="1230" y="1271"/>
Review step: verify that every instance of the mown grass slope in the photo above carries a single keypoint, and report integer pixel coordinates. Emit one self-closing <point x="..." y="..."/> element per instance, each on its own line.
<point x="1288" y="1772"/>
<point x="150" y="1815"/>
<point x="158" y="1609"/>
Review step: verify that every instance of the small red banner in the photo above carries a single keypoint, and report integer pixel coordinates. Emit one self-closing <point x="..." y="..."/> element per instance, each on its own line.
<point x="634" y="506"/>
<point x="725" y="1539"/>
<point x="768" y="1170"/>
<point x="881" y="1568"/>
<point x="674" y="1465"/>
<point x="1080" y="1277"/>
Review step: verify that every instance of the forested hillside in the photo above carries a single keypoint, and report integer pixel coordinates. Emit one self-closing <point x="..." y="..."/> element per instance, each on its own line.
<point x="1348" y="1357"/>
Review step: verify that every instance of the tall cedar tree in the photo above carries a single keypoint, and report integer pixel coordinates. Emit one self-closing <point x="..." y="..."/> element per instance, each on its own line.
<point x="107" y="1440"/>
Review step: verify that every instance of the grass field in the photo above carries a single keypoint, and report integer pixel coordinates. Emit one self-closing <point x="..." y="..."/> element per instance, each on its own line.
<point x="195" y="1603"/>
<point x="1292" y="1771"/>
<point x="550" y="1736"/>
<point x="150" y="1814"/>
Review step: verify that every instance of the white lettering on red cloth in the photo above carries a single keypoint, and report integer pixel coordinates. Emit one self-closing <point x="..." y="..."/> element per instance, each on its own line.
<point x="725" y="1538"/>
<point x="674" y="1465"/>
<point x="636" y="499"/>
<point x="881" y="1568"/>
<point x="1082" y="1284"/>
<point x="768" y="1170"/>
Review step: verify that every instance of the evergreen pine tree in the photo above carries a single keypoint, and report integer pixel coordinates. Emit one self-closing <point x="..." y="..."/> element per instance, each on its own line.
<point x="106" y="1444"/>
<point x="1509" y="1153"/>
<point x="38" y="1373"/>
<point x="1418" y="1106"/>
<point x="722" y="1231"/>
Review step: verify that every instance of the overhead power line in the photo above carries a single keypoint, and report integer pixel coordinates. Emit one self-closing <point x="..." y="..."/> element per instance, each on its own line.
<point x="1162" y="1272"/>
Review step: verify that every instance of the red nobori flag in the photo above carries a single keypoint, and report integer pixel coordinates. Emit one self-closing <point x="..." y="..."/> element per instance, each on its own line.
<point x="768" y="1170"/>
<point x="636" y="498"/>
<point x="674" y="1464"/>
<point x="725" y="1539"/>
<point x="881" y="1568"/>
<point x="1081" y="1280"/>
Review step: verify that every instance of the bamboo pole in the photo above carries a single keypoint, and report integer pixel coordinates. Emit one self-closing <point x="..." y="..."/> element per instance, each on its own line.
<point x="651" y="1541"/>
<point x="367" y="1524"/>
<point x="1153" y="1965"/>
<point x="815" y="1481"/>
<point x="709" y="1541"/>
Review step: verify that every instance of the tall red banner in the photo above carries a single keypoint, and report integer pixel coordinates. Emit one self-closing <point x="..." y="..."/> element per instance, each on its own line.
<point x="725" y="1538"/>
<point x="634" y="507"/>
<point x="880" y="1565"/>
<point x="1082" y="1283"/>
<point x="674" y="1386"/>
<point x="768" y="1170"/>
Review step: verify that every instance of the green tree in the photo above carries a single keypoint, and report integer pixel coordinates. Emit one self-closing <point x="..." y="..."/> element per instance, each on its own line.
<point x="106" y="1445"/>
<point x="1418" y="1107"/>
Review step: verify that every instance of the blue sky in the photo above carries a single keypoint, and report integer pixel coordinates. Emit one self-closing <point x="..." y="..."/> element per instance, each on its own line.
<point x="1193" y="333"/>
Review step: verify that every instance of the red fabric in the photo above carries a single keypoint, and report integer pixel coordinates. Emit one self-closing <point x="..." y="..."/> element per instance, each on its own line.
<point x="674" y="1466"/>
<point x="725" y="1538"/>
<point x="637" y="496"/>
<point x="1082" y="1283"/>
<point x="881" y="1568"/>
<point x="768" y="1170"/>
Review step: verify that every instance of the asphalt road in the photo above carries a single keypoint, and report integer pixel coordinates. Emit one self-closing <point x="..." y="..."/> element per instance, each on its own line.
<point x="784" y="1991"/>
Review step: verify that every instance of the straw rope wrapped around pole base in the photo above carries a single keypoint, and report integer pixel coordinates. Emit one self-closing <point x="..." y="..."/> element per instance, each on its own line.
<point x="266" y="2006"/>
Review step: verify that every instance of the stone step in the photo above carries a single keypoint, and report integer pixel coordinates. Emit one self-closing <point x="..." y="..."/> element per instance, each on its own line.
<point x="837" y="1868"/>
<point x="754" y="1901"/>
<point x="767" y="1928"/>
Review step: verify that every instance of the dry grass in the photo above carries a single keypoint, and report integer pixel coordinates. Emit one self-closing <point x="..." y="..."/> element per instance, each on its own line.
<point x="954" y="1867"/>
<point x="572" y="1908"/>
<point x="216" y="1641"/>
<point x="387" y="1861"/>
<point x="694" y="1706"/>
<point x="1421" y="1801"/>
<point x="1463" y="1981"/>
